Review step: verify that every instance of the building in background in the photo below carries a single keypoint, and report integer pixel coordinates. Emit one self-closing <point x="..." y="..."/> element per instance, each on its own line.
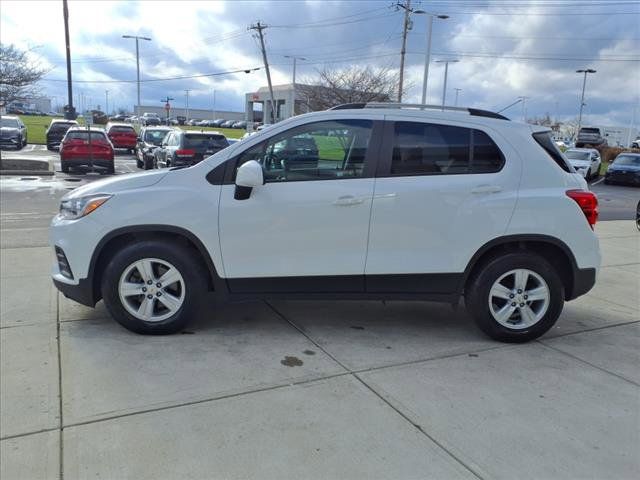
<point x="30" y="105"/>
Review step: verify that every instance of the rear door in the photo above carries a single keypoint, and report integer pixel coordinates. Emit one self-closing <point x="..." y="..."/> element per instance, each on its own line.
<point x="442" y="191"/>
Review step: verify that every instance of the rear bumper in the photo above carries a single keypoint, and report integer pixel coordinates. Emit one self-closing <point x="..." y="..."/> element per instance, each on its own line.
<point x="583" y="280"/>
<point x="630" y="177"/>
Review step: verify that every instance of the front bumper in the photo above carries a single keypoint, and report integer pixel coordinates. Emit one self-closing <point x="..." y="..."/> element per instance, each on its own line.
<point x="81" y="293"/>
<point x="9" y="141"/>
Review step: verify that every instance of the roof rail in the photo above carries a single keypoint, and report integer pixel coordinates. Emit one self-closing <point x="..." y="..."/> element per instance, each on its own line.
<point x="476" y="112"/>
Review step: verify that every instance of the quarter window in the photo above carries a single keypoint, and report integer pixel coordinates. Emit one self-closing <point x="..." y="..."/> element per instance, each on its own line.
<point x="430" y="149"/>
<point x="319" y="151"/>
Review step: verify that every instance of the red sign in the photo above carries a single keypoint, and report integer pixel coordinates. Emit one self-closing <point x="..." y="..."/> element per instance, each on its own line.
<point x="167" y="107"/>
<point x="255" y="96"/>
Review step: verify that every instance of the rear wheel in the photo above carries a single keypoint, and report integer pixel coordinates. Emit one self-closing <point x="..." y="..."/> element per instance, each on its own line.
<point x="153" y="288"/>
<point x="516" y="297"/>
<point x="20" y="144"/>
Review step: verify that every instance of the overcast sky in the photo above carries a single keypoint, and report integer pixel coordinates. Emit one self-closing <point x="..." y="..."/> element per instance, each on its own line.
<point x="505" y="48"/>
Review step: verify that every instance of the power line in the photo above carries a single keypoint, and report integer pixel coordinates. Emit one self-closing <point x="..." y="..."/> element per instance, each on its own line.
<point x="329" y="20"/>
<point x="200" y="75"/>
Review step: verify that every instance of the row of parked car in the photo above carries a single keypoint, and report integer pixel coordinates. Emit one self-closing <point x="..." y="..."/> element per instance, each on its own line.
<point x="152" y="119"/>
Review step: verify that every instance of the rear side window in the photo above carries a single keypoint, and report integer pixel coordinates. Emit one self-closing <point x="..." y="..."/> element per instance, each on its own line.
<point x="545" y="140"/>
<point x="431" y="149"/>
<point x="205" y="141"/>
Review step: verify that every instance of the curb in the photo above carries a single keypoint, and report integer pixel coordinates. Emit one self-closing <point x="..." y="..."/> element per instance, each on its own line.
<point x="21" y="166"/>
<point x="30" y="173"/>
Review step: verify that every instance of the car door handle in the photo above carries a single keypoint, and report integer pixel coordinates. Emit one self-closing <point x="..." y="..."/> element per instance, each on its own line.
<point x="385" y="195"/>
<point x="347" y="200"/>
<point x="487" y="189"/>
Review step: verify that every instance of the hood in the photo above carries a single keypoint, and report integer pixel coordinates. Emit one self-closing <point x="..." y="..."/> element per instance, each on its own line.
<point x="9" y="130"/>
<point x="119" y="183"/>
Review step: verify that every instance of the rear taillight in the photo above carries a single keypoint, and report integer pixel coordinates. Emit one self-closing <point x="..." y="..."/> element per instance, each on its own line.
<point x="185" y="153"/>
<point x="588" y="203"/>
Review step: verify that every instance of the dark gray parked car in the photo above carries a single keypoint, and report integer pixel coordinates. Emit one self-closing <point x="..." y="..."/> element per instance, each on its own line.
<point x="186" y="148"/>
<point x="56" y="131"/>
<point x="13" y="132"/>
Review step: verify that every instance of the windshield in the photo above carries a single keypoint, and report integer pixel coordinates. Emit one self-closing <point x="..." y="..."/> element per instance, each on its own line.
<point x="205" y="141"/>
<point x="589" y="130"/>
<point x="627" y="160"/>
<point x="10" y="122"/>
<point x="574" y="155"/>
<point x="155" y="136"/>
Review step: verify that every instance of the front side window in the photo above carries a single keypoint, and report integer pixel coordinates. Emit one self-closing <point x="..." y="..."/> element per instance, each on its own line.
<point x="431" y="149"/>
<point x="328" y="150"/>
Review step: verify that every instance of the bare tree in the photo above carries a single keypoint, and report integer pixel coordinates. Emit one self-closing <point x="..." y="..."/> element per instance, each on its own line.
<point x="18" y="75"/>
<point x="350" y="85"/>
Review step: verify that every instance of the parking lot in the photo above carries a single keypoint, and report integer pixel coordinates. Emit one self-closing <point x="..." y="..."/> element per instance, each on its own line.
<point x="311" y="389"/>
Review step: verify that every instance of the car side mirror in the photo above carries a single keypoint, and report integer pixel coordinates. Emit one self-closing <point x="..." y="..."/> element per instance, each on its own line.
<point x="249" y="175"/>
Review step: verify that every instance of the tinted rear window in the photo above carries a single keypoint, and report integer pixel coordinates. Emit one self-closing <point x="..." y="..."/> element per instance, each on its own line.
<point x="80" y="135"/>
<point x="122" y="129"/>
<point x="589" y="130"/>
<point x="60" y="127"/>
<point x="545" y="140"/>
<point x="205" y="141"/>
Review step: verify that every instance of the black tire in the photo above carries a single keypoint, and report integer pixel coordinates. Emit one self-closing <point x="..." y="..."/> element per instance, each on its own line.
<point x="138" y="163"/>
<point x="20" y="145"/>
<point x="479" y="285"/>
<point x="195" y="282"/>
<point x="111" y="169"/>
<point x="64" y="167"/>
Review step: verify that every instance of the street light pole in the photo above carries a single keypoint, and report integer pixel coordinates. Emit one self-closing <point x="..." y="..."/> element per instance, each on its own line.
<point x="106" y="102"/>
<point x="584" y="84"/>
<point x="458" y="90"/>
<point x="427" y="60"/>
<point x="293" y="106"/>
<point x="186" y="94"/>
<point x="446" y="72"/>
<point x="137" y="67"/>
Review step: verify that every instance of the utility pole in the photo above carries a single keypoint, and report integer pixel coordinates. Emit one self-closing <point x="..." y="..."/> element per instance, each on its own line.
<point x="186" y="113"/>
<point x="137" y="67"/>
<point x="458" y="90"/>
<point x="167" y="106"/>
<point x="584" y="84"/>
<point x="106" y="102"/>
<point x="69" y="112"/>
<point x="446" y="72"/>
<point x="293" y="82"/>
<point x="213" y="111"/>
<point x="405" y="28"/>
<point x="259" y="27"/>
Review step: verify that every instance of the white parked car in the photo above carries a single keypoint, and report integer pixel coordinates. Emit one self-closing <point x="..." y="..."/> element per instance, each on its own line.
<point x="359" y="202"/>
<point x="586" y="161"/>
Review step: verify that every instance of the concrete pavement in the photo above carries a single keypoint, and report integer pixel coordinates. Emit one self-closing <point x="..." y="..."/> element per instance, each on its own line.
<point x="310" y="389"/>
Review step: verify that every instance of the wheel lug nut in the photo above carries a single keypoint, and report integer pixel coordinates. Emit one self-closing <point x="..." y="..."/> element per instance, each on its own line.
<point x="159" y="294"/>
<point x="511" y="295"/>
<point x="149" y="296"/>
<point x="144" y="289"/>
<point x="522" y="304"/>
<point x="149" y="282"/>
<point x="158" y="285"/>
<point x="519" y="291"/>
<point x="513" y="304"/>
<point x="526" y="296"/>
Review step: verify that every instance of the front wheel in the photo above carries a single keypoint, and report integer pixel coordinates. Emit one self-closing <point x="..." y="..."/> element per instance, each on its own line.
<point x="153" y="287"/>
<point x="516" y="297"/>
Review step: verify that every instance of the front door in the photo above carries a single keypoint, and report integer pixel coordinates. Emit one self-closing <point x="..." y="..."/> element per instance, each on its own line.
<point x="306" y="228"/>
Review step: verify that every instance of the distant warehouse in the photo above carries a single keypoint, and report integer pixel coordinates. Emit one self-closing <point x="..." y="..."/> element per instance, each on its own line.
<point x="198" y="114"/>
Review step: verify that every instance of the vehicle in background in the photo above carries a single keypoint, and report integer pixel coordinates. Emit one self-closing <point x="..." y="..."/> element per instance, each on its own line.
<point x="590" y="136"/>
<point x="56" y="132"/>
<point x="13" y="133"/>
<point x="228" y="124"/>
<point x="232" y="140"/>
<point x="192" y="122"/>
<point x="586" y="161"/>
<point x="636" y="143"/>
<point x="181" y="119"/>
<point x="148" y="141"/>
<point x="82" y="147"/>
<point x="218" y="122"/>
<point x="240" y="124"/>
<point x="625" y="168"/>
<point x="150" y="119"/>
<point x="132" y="119"/>
<point x="186" y="148"/>
<point x="118" y="118"/>
<point x="122" y="135"/>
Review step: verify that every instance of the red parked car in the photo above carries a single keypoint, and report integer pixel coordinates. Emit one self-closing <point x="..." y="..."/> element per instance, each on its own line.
<point x="122" y="136"/>
<point x="79" y="149"/>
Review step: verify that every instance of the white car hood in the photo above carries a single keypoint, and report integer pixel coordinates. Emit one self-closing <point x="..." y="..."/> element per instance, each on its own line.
<point x="119" y="183"/>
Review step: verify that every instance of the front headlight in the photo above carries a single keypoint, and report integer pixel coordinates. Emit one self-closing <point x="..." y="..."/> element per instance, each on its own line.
<point x="75" y="208"/>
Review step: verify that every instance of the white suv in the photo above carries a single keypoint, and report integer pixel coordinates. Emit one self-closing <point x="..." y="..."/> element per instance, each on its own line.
<point x="375" y="201"/>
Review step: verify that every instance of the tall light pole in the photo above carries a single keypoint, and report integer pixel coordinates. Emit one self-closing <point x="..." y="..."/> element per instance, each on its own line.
<point x="427" y="60"/>
<point x="69" y="111"/>
<point x="137" y="67"/>
<point x="584" y="84"/>
<point x="458" y="90"/>
<point x="446" y="72"/>
<point x="293" y="81"/>
<point x="213" y="111"/>
<point x="186" y="94"/>
<point x="524" y="108"/>
<point x="106" y="102"/>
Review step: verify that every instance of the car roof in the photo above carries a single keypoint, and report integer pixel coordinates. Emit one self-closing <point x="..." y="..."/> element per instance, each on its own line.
<point x="81" y="128"/>
<point x="200" y="132"/>
<point x="118" y="124"/>
<point x="10" y="117"/>
<point x="582" y="150"/>
<point x="632" y="154"/>
<point x="63" y="120"/>
<point x="158" y="127"/>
